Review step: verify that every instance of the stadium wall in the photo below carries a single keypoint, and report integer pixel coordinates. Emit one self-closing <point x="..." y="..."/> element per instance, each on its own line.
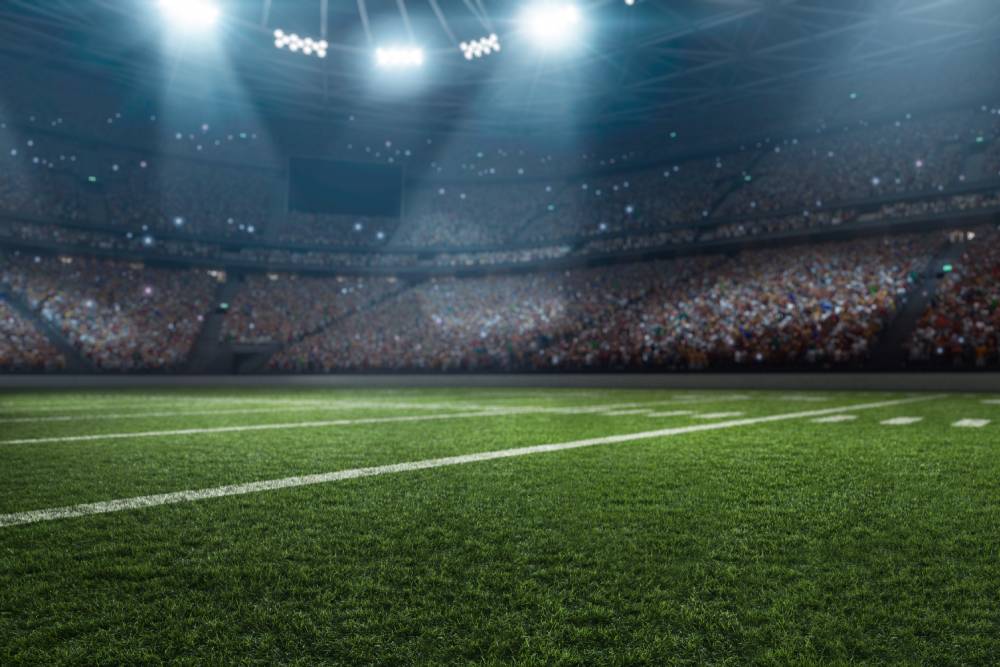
<point x="951" y="382"/>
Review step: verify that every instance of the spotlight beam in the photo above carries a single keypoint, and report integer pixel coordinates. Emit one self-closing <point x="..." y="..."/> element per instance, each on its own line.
<point x="406" y="19"/>
<point x="190" y="14"/>
<point x="363" y="13"/>
<point x="444" y="23"/>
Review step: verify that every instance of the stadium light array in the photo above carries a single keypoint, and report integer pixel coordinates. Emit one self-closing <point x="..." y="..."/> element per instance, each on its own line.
<point x="304" y="45"/>
<point x="480" y="47"/>
<point x="552" y="25"/>
<point x="399" y="57"/>
<point x="190" y="14"/>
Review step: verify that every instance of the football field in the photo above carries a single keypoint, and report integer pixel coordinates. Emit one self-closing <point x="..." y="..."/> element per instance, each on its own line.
<point x="224" y="526"/>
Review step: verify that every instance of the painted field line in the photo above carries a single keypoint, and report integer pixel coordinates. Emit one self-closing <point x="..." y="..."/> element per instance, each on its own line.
<point x="172" y="413"/>
<point x="901" y="421"/>
<point x="804" y="398"/>
<point x="306" y="407"/>
<point x="264" y="427"/>
<point x="624" y="413"/>
<point x="137" y="502"/>
<point x="161" y="408"/>
<point x="478" y="411"/>
<point x="971" y="423"/>
<point x="488" y="412"/>
<point x="93" y="412"/>
<point x="672" y="413"/>
<point x="835" y="419"/>
<point x="992" y="401"/>
<point x="718" y="415"/>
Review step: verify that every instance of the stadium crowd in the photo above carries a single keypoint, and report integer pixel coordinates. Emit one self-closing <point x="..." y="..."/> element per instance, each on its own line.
<point x="961" y="327"/>
<point x="53" y="178"/>
<point x="23" y="347"/>
<point x="816" y="306"/>
<point x="120" y="316"/>
<point x="281" y="308"/>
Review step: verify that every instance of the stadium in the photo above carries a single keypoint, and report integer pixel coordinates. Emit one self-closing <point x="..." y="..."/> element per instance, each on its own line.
<point x="499" y="332"/>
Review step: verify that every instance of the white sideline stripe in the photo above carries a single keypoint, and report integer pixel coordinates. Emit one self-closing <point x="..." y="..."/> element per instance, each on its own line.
<point x="262" y="427"/>
<point x="718" y="415"/>
<point x="484" y="411"/>
<point x="971" y="423"/>
<point x="124" y="504"/>
<point x="622" y="413"/>
<point x="674" y="413"/>
<point x="490" y="412"/>
<point x="318" y="405"/>
<point x="286" y="406"/>
<point x="292" y="407"/>
<point x="177" y="413"/>
<point x="901" y="421"/>
<point x="835" y="418"/>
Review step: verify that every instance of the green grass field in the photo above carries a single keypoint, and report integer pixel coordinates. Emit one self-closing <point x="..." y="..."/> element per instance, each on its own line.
<point x="726" y="528"/>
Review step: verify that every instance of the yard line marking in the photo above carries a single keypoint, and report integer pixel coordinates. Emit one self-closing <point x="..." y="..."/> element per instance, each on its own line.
<point x="901" y="421"/>
<point x="261" y="427"/>
<point x="177" y="413"/>
<point x="718" y="415"/>
<point x="488" y="412"/>
<point x="992" y="401"/>
<point x="971" y="423"/>
<point x="137" y="502"/>
<point x="805" y="398"/>
<point x="835" y="419"/>
<point x="304" y="406"/>
<point x="674" y="413"/>
<point x="622" y="413"/>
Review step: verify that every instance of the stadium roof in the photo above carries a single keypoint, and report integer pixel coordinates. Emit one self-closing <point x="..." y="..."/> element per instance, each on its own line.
<point x="659" y="61"/>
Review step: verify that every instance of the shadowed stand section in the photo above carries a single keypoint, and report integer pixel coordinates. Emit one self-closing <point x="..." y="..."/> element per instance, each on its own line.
<point x="208" y="354"/>
<point x="891" y="352"/>
<point x="75" y="362"/>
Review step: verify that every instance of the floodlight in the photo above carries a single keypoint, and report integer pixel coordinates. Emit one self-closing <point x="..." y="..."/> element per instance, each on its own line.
<point x="483" y="46"/>
<point x="399" y="57"/>
<point x="551" y="25"/>
<point x="306" y="45"/>
<point x="191" y="14"/>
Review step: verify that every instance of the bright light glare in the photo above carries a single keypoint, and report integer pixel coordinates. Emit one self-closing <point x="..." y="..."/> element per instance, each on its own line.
<point x="480" y="47"/>
<point x="190" y="13"/>
<point x="399" y="57"/>
<point x="296" y="44"/>
<point x="551" y="25"/>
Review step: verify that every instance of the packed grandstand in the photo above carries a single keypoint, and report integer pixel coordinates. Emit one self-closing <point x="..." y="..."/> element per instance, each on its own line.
<point x="840" y="246"/>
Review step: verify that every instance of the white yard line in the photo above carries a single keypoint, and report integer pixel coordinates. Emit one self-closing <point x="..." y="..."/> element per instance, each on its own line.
<point x="317" y="405"/>
<point x="901" y="421"/>
<point x="971" y="423"/>
<point x="624" y="413"/>
<point x="456" y="411"/>
<point x="835" y="419"/>
<point x="804" y="398"/>
<point x="718" y="415"/>
<point x="992" y="401"/>
<point x="263" y="427"/>
<point x="672" y="413"/>
<point x="172" y="413"/>
<point x="484" y="412"/>
<point x="124" y="504"/>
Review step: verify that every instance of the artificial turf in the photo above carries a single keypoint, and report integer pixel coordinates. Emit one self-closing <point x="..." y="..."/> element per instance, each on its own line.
<point x="783" y="542"/>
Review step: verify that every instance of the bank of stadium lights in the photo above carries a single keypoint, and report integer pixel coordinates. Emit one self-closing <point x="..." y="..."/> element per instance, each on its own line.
<point x="399" y="57"/>
<point x="304" y="45"/>
<point x="190" y="14"/>
<point x="480" y="47"/>
<point x="552" y="26"/>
